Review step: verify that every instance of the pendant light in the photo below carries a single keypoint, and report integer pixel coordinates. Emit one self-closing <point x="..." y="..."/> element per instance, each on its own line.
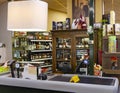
<point x="29" y="15"/>
<point x="112" y="15"/>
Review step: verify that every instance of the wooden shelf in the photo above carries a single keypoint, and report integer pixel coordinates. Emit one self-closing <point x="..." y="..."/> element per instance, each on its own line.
<point x="46" y="66"/>
<point x="42" y="59"/>
<point x="78" y="60"/>
<point x="106" y="55"/>
<point x="29" y="62"/>
<point x="112" y="53"/>
<point x="41" y="50"/>
<point x="110" y="71"/>
<point x="63" y="60"/>
<point x="63" y="48"/>
<point x="106" y="37"/>
<point x="84" y="48"/>
<point x="41" y="40"/>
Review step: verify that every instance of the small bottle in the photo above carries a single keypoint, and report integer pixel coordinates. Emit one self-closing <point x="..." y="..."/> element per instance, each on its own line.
<point x="67" y="23"/>
<point x="60" y="25"/>
<point x="54" y="26"/>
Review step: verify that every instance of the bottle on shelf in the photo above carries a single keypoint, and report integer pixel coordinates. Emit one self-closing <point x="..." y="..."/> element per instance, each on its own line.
<point x="67" y="23"/>
<point x="64" y="44"/>
<point x="47" y="46"/>
<point x="16" y="42"/>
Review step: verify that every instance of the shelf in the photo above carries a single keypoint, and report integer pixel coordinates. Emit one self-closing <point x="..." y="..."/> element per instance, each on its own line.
<point x="84" y="48"/>
<point x="29" y="62"/>
<point x="41" y="50"/>
<point x="112" y="53"/>
<point x="80" y="54"/>
<point x="41" y="40"/>
<point x="42" y="59"/>
<point x="63" y="60"/>
<point x="33" y="48"/>
<point x="78" y="60"/>
<point x="63" y="48"/>
<point x="46" y="66"/>
<point x="109" y="71"/>
<point x="106" y="37"/>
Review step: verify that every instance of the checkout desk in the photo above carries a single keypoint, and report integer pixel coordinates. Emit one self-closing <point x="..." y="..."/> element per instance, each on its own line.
<point x="60" y="84"/>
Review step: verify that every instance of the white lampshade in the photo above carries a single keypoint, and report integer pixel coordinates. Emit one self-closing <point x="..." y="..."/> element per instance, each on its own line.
<point x="30" y="15"/>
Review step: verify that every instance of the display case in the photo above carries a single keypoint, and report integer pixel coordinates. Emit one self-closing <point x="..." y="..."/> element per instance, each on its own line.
<point x="69" y="46"/>
<point x="33" y="47"/>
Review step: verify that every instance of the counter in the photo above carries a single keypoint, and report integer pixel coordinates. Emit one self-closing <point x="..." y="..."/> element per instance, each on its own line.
<point x="60" y="84"/>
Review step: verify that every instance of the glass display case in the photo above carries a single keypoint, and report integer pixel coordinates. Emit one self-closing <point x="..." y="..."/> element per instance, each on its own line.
<point x="70" y="47"/>
<point x="82" y="48"/>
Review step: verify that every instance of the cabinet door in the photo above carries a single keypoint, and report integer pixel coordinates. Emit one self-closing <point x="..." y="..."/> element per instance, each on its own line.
<point x="81" y="49"/>
<point x="63" y="54"/>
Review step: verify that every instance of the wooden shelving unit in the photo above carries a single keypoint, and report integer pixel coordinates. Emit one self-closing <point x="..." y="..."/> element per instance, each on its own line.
<point x="68" y="48"/>
<point x="106" y="57"/>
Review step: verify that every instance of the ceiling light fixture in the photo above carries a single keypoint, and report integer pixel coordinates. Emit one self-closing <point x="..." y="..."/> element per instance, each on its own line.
<point x="29" y="15"/>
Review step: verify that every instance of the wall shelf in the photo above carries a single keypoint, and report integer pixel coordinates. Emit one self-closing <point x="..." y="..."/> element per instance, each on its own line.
<point x="41" y="40"/>
<point x="42" y="59"/>
<point x="41" y="50"/>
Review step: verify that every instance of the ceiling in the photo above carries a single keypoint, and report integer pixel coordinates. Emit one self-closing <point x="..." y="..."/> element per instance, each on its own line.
<point x="59" y="5"/>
